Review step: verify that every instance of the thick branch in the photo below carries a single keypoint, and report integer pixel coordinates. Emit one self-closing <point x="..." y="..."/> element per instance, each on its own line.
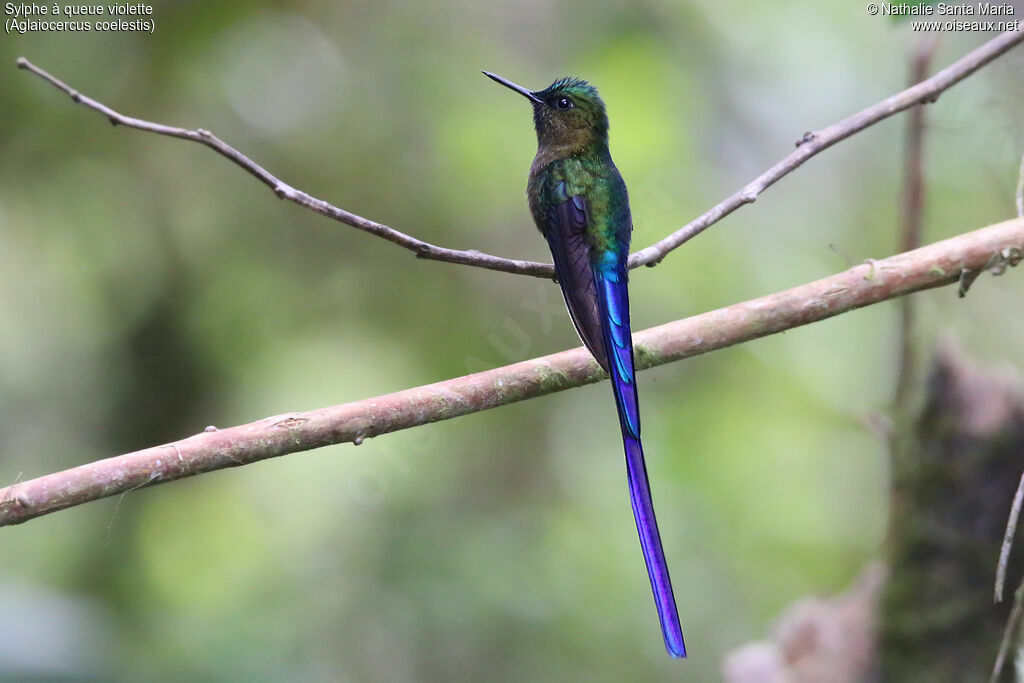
<point x="812" y="143"/>
<point x="931" y="266"/>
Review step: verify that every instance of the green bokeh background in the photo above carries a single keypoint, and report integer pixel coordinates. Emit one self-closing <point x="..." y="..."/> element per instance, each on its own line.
<point x="149" y="288"/>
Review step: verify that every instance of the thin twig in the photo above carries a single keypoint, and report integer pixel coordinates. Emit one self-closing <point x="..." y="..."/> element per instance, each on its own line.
<point x="284" y="191"/>
<point x="1020" y="189"/>
<point x="1011" y="628"/>
<point x="809" y="145"/>
<point x="812" y="143"/>
<point x="1011" y="529"/>
<point x="913" y="210"/>
<point x="862" y="285"/>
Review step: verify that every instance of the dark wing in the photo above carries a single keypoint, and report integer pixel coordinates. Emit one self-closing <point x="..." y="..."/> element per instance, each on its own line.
<point x="565" y="232"/>
<point x="598" y="299"/>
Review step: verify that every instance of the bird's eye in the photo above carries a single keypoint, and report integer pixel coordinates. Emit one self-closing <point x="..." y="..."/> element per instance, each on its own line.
<point x="564" y="103"/>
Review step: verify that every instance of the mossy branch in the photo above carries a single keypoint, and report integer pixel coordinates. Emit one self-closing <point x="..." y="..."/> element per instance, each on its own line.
<point x="994" y="247"/>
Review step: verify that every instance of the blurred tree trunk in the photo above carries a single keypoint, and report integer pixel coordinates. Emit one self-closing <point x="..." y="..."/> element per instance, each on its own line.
<point x="956" y="464"/>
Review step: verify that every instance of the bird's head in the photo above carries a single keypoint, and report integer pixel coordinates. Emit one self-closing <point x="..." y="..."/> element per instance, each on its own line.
<point x="567" y="113"/>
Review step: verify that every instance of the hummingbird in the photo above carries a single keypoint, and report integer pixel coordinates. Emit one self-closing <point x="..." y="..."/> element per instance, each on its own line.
<point x="579" y="202"/>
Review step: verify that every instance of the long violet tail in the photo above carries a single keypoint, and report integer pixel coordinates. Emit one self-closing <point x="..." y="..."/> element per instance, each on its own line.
<point x="613" y="301"/>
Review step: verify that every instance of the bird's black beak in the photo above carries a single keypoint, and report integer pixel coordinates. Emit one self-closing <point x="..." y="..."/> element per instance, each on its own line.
<point x="518" y="88"/>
